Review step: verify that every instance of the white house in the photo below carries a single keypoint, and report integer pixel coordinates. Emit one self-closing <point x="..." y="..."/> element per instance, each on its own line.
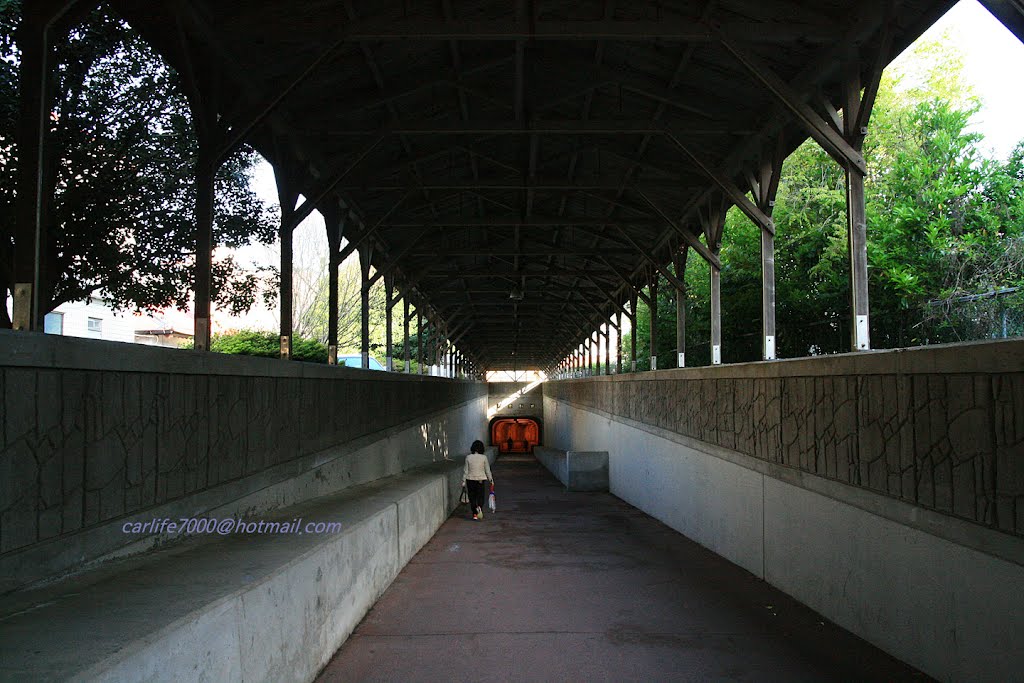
<point x="94" y="318"/>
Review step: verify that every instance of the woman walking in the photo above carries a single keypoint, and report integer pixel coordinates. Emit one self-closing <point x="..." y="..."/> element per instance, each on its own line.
<point x="475" y="475"/>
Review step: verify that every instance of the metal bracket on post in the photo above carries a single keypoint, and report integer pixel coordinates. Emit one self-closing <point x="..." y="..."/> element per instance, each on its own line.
<point x="863" y="334"/>
<point x="716" y="355"/>
<point x="681" y="360"/>
<point x="654" y="362"/>
<point x="286" y="347"/>
<point x="769" y="347"/>
<point x="332" y="354"/>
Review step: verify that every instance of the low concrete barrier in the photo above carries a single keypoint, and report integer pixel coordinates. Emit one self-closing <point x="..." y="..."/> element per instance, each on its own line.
<point x="94" y="434"/>
<point x="577" y="470"/>
<point x="242" y="607"/>
<point x="938" y="589"/>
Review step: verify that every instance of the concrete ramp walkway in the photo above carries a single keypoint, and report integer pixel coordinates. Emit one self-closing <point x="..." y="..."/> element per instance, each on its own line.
<point x="564" y="586"/>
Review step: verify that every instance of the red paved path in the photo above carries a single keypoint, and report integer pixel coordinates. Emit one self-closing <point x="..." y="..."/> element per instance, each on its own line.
<point x="582" y="587"/>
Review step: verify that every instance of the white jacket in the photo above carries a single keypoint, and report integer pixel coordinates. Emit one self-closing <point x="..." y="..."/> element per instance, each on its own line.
<point x="477" y="467"/>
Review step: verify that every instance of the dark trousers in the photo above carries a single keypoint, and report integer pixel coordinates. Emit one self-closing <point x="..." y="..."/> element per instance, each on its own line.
<point x="477" y="490"/>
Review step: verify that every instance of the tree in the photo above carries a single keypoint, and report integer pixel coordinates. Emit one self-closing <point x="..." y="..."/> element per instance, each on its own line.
<point x="120" y="174"/>
<point x="311" y="290"/>
<point x="945" y="235"/>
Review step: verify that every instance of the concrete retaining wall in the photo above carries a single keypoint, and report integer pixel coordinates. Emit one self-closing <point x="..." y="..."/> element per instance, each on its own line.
<point x="96" y="433"/>
<point x="932" y="587"/>
<point x="577" y="470"/>
<point x="242" y="607"/>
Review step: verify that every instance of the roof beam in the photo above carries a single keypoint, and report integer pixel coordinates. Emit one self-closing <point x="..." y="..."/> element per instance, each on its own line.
<point x="532" y="127"/>
<point x="687" y="236"/>
<point x="816" y="126"/>
<point x="738" y="196"/>
<point x="668" y="29"/>
<point x="514" y="185"/>
<point x="531" y="222"/>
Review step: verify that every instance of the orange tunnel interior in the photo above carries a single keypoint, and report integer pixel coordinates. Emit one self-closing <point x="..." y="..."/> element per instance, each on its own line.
<point x="515" y="434"/>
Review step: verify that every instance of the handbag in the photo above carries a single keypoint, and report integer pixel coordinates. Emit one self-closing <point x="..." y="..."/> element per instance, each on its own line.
<point x="464" y="498"/>
<point x="490" y="500"/>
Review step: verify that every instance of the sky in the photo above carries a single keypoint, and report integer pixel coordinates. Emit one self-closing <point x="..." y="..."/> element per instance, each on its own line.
<point x="992" y="57"/>
<point x="993" y="61"/>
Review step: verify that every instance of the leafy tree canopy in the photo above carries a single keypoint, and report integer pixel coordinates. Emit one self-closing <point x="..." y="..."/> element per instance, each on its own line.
<point x="945" y="235"/>
<point x="121" y="174"/>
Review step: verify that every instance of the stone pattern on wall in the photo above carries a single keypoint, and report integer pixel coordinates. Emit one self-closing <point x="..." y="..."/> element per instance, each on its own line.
<point x="948" y="442"/>
<point x="80" y="447"/>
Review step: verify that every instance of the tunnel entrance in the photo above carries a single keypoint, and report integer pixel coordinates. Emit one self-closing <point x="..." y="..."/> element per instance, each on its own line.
<point x="515" y="434"/>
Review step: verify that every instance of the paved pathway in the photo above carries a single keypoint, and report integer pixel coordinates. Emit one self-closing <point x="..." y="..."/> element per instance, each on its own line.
<point x="582" y="587"/>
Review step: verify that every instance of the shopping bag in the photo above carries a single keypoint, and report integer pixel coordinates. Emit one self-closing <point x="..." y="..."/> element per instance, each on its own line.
<point x="464" y="498"/>
<point x="490" y="500"/>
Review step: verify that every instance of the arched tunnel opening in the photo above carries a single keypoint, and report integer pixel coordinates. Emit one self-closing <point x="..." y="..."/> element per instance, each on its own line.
<point x="515" y="434"/>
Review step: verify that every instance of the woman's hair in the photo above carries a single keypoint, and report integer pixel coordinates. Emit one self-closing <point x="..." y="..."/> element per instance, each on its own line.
<point x="477" y="447"/>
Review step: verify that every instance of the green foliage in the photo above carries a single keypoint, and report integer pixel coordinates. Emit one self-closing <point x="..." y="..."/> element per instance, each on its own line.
<point x="267" y="345"/>
<point x="945" y="236"/>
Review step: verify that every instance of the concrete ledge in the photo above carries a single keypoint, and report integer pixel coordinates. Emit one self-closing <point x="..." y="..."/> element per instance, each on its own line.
<point x="577" y="470"/>
<point x="48" y="351"/>
<point x="241" y="607"/>
<point x="987" y="356"/>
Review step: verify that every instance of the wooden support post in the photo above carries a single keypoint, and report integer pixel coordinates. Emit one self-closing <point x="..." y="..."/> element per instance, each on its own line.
<point x="764" y="189"/>
<point x="713" y="224"/>
<point x="632" y="327"/>
<point x="857" y="231"/>
<point x="205" y="172"/>
<point x="767" y="295"/>
<point x="406" y="351"/>
<point x="335" y="222"/>
<point x="439" y="350"/>
<point x="716" y="315"/>
<point x="364" y="289"/>
<point x="854" y="130"/>
<point x="202" y="97"/>
<point x="618" y="346"/>
<point x="389" y="291"/>
<point x="287" y="196"/>
<point x="653" y="293"/>
<point x="680" y="266"/>
<point x="856" y="115"/>
<point x="607" y="350"/>
<point x="33" y="139"/>
<point x="419" y="337"/>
